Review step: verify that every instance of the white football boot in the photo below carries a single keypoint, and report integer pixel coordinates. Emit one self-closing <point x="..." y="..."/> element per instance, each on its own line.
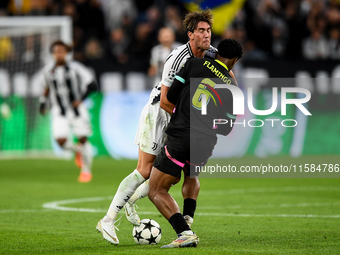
<point x="183" y="240"/>
<point x="131" y="214"/>
<point x="108" y="230"/>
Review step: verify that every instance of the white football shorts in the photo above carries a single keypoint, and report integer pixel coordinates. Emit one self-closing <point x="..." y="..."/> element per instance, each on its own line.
<point x="63" y="125"/>
<point x="150" y="132"/>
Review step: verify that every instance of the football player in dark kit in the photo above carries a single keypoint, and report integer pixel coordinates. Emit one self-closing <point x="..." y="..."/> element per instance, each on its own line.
<point x="191" y="135"/>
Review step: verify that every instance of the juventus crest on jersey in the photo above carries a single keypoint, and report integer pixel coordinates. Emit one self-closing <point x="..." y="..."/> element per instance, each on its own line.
<point x="67" y="83"/>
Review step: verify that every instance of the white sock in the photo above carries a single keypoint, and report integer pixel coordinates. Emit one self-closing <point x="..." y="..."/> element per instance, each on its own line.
<point x="68" y="145"/>
<point x="125" y="190"/>
<point x="86" y="157"/>
<point x="141" y="191"/>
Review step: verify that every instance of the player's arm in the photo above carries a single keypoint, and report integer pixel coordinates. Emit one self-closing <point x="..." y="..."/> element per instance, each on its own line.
<point x="164" y="103"/>
<point x="43" y="101"/>
<point x="179" y="83"/>
<point x="44" y="97"/>
<point x="168" y="76"/>
<point x="87" y="81"/>
<point x="233" y="76"/>
<point x="175" y="90"/>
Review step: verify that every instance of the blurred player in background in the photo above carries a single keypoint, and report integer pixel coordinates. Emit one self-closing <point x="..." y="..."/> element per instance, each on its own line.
<point x="160" y="52"/>
<point x="191" y="136"/>
<point x="154" y="119"/>
<point x="67" y="84"/>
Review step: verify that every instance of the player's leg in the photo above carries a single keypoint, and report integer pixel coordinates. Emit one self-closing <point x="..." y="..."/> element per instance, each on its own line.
<point x="86" y="159"/>
<point x="125" y="190"/>
<point x="167" y="168"/>
<point x="144" y="166"/>
<point x="141" y="192"/>
<point x="82" y="129"/>
<point x="190" y="190"/>
<point x="129" y="185"/>
<point x="61" y="132"/>
<point x="150" y="138"/>
<point x="191" y="185"/>
<point x="160" y="184"/>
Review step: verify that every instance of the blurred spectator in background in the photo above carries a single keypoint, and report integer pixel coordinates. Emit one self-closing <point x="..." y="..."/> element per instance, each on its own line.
<point x="29" y="54"/>
<point x="139" y="48"/>
<point x="174" y="20"/>
<point x="279" y="41"/>
<point x="3" y="7"/>
<point x="296" y="30"/>
<point x="334" y="43"/>
<point x="118" y="45"/>
<point x="118" y="35"/>
<point x="38" y="8"/>
<point x="96" y="58"/>
<point x="6" y="49"/>
<point x="160" y="52"/>
<point x="315" y="47"/>
<point x="90" y="18"/>
<point x="116" y="11"/>
<point x="18" y="7"/>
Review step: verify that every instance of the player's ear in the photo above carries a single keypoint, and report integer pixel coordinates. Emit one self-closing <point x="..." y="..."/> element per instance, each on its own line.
<point x="190" y="35"/>
<point x="234" y="61"/>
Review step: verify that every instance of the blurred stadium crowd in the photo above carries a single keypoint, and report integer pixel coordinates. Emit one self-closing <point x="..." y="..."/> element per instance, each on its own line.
<point x="118" y="35"/>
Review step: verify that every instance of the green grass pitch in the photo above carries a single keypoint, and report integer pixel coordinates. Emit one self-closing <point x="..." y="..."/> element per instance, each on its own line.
<point x="234" y="216"/>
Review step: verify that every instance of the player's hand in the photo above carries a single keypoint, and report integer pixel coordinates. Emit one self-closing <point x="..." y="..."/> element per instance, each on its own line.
<point x="76" y="103"/>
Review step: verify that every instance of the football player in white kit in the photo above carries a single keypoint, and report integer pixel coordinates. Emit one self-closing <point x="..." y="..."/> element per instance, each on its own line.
<point x="67" y="84"/>
<point x="153" y="121"/>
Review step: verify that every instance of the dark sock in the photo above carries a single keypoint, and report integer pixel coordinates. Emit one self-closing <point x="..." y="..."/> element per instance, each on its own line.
<point x="178" y="223"/>
<point x="189" y="207"/>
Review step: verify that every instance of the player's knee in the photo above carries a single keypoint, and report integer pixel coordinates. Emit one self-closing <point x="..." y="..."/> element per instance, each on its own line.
<point x="151" y="194"/>
<point x="145" y="170"/>
<point x="61" y="141"/>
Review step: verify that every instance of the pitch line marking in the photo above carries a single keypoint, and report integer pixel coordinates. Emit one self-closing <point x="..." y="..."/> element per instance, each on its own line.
<point x="57" y="205"/>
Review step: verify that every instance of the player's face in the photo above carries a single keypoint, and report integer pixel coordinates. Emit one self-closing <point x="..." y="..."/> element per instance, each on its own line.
<point x="59" y="54"/>
<point x="166" y="37"/>
<point x="202" y="35"/>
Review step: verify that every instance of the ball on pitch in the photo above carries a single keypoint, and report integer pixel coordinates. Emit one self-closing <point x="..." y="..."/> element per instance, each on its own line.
<point x="148" y="232"/>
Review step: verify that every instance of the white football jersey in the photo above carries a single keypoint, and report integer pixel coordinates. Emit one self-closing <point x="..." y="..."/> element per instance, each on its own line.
<point x="66" y="83"/>
<point x="173" y="64"/>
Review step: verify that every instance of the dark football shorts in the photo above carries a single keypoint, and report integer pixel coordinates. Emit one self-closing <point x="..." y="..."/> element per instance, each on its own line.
<point x="184" y="152"/>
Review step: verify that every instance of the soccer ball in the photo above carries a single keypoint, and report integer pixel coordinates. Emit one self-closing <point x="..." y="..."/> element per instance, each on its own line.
<point x="148" y="232"/>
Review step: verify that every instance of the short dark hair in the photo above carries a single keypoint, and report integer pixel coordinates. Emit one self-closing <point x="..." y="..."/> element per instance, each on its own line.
<point x="60" y="43"/>
<point x="193" y="18"/>
<point x="230" y="48"/>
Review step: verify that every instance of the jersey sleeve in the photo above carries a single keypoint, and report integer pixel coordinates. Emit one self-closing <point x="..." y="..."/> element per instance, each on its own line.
<point x="84" y="73"/>
<point x="172" y="66"/>
<point x="178" y="84"/>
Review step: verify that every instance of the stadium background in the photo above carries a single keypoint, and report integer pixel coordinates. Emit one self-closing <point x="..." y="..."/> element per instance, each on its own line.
<point x="281" y="39"/>
<point x="43" y="210"/>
